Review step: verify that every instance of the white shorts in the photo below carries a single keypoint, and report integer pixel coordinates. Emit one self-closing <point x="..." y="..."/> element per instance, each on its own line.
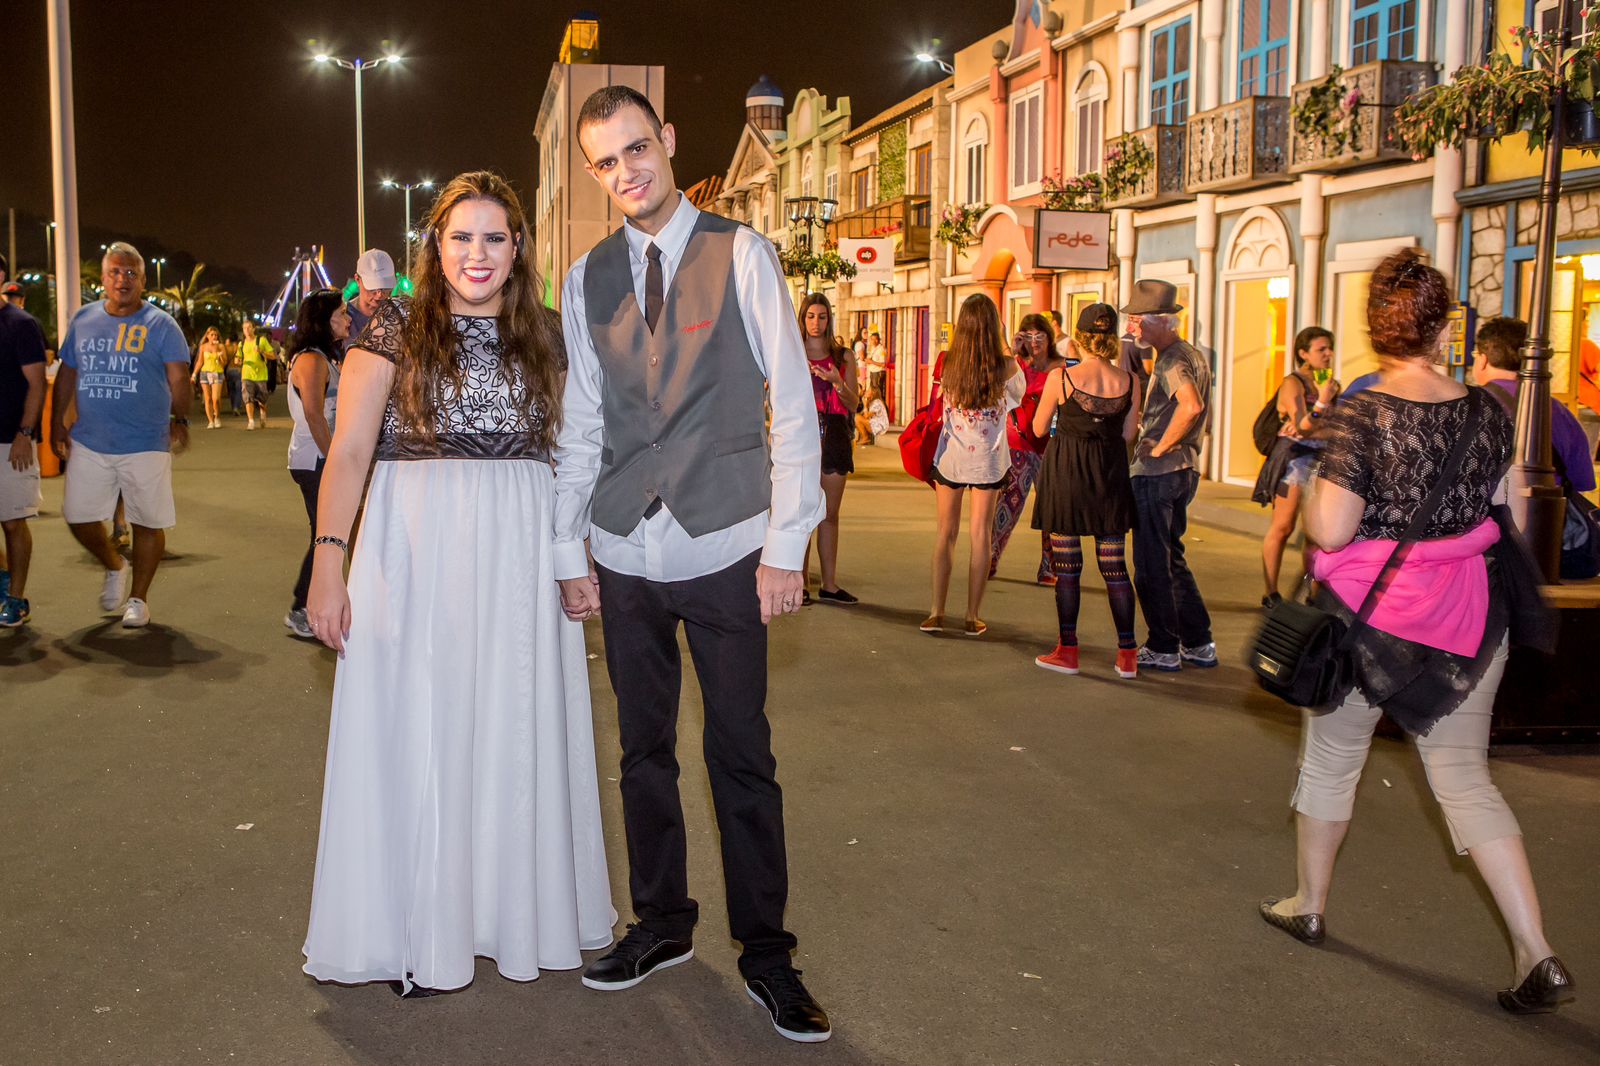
<point x="19" y="489"/>
<point x="143" y="478"/>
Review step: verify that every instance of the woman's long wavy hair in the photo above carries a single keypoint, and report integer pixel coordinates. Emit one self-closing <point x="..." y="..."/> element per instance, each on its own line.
<point x="836" y="351"/>
<point x="976" y="368"/>
<point x="529" y="332"/>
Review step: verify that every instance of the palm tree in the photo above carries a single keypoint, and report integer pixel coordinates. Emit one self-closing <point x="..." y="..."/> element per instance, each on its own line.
<point x="183" y="299"/>
<point x="89" y="279"/>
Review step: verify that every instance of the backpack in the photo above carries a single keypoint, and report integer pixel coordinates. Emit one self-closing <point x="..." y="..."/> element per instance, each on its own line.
<point x="1269" y="423"/>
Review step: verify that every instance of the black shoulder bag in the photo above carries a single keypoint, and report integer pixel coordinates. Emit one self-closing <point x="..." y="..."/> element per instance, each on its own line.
<point x="1301" y="654"/>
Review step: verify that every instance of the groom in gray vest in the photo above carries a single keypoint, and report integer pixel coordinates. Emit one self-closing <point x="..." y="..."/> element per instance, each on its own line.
<point x="680" y="333"/>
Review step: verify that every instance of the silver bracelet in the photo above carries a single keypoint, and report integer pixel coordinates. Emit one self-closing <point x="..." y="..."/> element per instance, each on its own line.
<point x="333" y="540"/>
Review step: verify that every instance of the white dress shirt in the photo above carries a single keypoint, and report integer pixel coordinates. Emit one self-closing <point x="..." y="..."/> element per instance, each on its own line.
<point x="659" y="549"/>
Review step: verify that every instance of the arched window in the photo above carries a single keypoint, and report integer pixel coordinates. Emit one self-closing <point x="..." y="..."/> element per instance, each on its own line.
<point x="975" y="153"/>
<point x="807" y="181"/>
<point x="1089" y="112"/>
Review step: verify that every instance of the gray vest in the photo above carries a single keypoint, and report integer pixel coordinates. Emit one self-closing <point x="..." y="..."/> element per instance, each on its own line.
<point x="685" y="407"/>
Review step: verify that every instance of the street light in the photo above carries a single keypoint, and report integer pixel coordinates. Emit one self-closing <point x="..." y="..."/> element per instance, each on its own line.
<point x="805" y="212"/>
<point x="406" y="187"/>
<point x="1544" y="509"/>
<point x="358" y="65"/>
<point x="929" y="57"/>
<point x="50" y="247"/>
<point x="159" y="263"/>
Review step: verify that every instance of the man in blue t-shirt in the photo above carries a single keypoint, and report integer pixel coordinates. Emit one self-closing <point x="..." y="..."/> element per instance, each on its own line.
<point x="126" y="363"/>
<point x="21" y="399"/>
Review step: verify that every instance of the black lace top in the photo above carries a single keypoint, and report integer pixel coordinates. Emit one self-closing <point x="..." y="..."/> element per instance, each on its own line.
<point x="477" y="417"/>
<point x="1390" y="451"/>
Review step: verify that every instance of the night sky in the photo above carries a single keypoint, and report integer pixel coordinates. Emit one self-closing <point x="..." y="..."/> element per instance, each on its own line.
<point x="205" y="127"/>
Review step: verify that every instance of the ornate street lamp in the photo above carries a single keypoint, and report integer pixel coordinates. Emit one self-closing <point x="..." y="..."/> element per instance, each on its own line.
<point x="806" y="212"/>
<point x="1543" y="510"/>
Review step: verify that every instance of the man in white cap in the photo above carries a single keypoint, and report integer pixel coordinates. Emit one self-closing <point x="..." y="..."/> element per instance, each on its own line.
<point x="375" y="275"/>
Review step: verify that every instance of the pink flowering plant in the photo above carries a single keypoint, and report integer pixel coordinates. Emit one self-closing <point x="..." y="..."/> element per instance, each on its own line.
<point x="1506" y="95"/>
<point x="958" y="225"/>
<point x="1128" y="162"/>
<point x="1327" y="114"/>
<point x="1081" y="193"/>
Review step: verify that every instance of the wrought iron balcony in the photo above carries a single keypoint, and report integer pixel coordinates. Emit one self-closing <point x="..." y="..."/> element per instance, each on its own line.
<point x="1160" y="183"/>
<point x="1239" y="145"/>
<point x="909" y="218"/>
<point x="1365" y="133"/>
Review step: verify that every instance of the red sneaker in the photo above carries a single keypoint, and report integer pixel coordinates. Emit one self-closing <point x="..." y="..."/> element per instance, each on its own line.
<point x="1127" y="663"/>
<point x="1063" y="660"/>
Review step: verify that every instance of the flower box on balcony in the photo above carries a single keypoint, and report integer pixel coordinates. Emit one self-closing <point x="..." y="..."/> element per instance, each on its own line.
<point x="1239" y="145"/>
<point x="1158" y="182"/>
<point x="1355" y="112"/>
<point x="908" y="219"/>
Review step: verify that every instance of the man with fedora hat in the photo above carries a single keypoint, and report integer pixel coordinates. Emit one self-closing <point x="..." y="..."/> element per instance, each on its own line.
<point x="1166" y="474"/>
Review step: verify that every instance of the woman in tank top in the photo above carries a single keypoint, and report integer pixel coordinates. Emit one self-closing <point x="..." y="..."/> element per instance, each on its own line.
<point x="210" y="368"/>
<point x="315" y="355"/>
<point x="833" y="385"/>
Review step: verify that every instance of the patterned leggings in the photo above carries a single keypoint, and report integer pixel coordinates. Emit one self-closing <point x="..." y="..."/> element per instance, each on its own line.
<point x="1066" y="558"/>
<point x="1008" y="511"/>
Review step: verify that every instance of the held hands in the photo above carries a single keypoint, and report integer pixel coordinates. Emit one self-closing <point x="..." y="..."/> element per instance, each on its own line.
<point x="580" y="596"/>
<point x="778" y="590"/>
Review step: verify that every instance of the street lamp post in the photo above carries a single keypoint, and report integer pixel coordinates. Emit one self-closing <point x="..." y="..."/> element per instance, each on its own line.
<point x="806" y="212"/>
<point x="159" y="263"/>
<point x="49" y="247"/>
<point x="1544" y="507"/>
<point x="406" y="187"/>
<point x="358" y="65"/>
<point x="929" y="57"/>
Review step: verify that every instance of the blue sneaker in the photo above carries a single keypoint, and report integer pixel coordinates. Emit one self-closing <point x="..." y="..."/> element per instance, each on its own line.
<point x="5" y="585"/>
<point x="13" y="611"/>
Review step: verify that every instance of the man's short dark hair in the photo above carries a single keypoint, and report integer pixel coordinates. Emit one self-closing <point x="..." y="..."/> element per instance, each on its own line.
<point x="604" y="103"/>
<point x="1055" y="316"/>
<point x="1500" y="340"/>
<point x="877" y="336"/>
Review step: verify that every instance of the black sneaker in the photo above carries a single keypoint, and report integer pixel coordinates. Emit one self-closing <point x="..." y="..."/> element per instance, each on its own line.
<point x="635" y="957"/>
<point x="795" y="1015"/>
<point x="836" y="596"/>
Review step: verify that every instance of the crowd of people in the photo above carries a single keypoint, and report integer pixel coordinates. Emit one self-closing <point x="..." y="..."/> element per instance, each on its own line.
<point x="652" y="457"/>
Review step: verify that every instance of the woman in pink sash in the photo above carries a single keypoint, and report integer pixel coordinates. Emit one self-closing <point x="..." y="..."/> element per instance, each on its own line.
<point x="1436" y="646"/>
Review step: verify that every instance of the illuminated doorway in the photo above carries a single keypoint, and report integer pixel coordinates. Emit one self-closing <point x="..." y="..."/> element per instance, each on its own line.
<point x="1256" y="292"/>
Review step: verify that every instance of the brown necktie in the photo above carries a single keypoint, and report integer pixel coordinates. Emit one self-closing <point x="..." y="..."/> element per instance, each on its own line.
<point x="654" y="290"/>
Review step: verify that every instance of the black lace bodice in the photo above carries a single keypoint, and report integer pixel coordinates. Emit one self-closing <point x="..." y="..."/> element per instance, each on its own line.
<point x="1390" y="452"/>
<point x="477" y="416"/>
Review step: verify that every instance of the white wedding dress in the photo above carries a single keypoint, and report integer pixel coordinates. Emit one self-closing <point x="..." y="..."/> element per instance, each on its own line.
<point x="461" y="811"/>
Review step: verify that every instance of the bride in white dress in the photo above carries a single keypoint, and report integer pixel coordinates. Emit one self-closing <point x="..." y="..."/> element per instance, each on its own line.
<point x="460" y="812"/>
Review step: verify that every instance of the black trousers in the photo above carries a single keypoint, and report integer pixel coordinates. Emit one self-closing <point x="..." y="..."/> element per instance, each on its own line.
<point x="728" y="644"/>
<point x="310" y="482"/>
<point x="1168" y="595"/>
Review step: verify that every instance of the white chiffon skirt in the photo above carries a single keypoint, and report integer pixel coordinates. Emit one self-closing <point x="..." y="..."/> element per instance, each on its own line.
<point x="460" y="812"/>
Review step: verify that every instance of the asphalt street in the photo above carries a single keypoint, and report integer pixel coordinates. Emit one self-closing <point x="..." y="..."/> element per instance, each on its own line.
<point x="990" y="863"/>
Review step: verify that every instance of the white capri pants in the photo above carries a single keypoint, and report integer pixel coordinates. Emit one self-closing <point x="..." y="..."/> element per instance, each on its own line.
<point x="1455" y="756"/>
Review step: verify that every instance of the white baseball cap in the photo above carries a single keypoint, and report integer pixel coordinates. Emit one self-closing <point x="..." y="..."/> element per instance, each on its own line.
<point x="375" y="269"/>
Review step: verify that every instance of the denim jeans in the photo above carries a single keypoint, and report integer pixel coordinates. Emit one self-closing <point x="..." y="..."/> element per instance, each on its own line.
<point x="1174" y="613"/>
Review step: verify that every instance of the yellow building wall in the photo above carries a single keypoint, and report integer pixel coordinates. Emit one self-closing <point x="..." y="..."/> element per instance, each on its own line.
<point x="1510" y="159"/>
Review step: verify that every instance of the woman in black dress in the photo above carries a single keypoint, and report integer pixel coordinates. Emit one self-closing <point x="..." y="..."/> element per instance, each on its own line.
<point x="1083" y="483"/>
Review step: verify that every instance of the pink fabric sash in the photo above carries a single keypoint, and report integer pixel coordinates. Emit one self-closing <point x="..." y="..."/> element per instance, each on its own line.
<point x="1439" y="597"/>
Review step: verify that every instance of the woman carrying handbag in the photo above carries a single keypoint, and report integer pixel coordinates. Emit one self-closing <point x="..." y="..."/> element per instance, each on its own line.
<point x="1410" y="477"/>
